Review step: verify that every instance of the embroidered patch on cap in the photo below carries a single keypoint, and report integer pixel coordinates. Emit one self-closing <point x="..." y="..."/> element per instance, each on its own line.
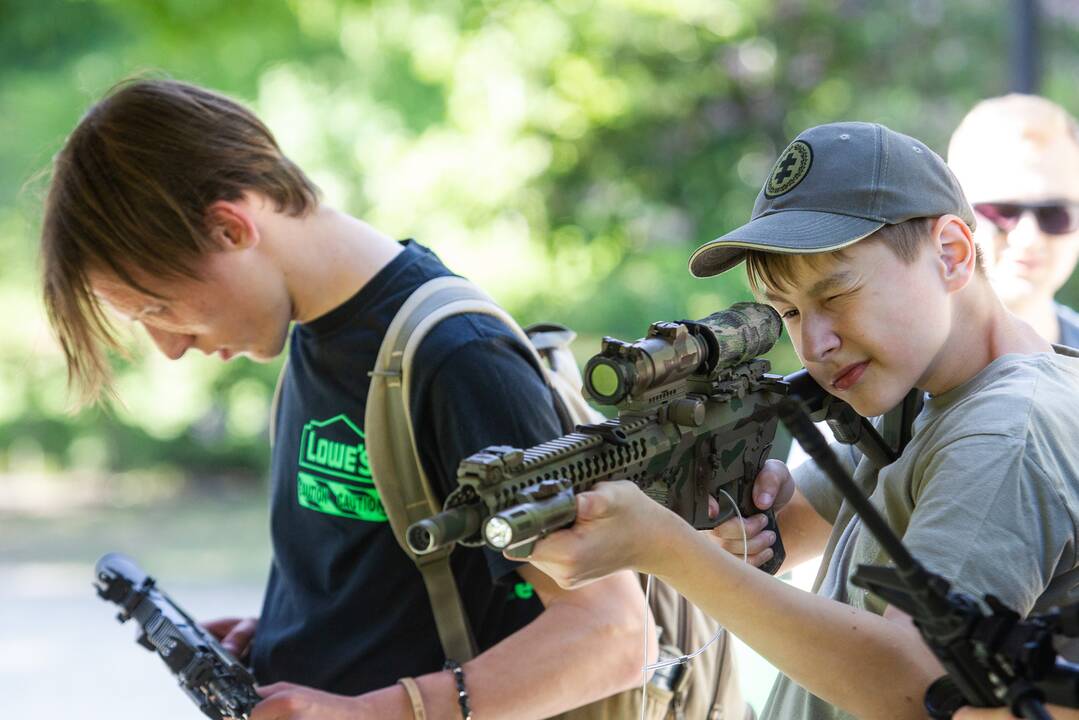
<point x="790" y="169"/>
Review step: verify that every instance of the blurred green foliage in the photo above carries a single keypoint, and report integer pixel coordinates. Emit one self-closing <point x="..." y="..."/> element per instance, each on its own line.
<point x="566" y="154"/>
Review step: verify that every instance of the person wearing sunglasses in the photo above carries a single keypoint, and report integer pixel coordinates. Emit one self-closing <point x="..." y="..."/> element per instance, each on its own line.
<point x="1017" y="158"/>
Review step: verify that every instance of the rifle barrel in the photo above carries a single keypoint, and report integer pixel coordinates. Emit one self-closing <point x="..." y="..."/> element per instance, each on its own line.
<point x="445" y="528"/>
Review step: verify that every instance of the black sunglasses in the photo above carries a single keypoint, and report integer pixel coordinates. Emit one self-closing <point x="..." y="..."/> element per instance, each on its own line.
<point x="1054" y="217"/>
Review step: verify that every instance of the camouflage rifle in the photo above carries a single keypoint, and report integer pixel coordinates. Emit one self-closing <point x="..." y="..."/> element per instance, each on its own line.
<point x="211" y="677"/>
<point x="694" y="422"/>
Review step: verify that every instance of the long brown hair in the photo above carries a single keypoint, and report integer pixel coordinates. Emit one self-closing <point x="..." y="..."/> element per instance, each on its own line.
<point x="129" y="194"/>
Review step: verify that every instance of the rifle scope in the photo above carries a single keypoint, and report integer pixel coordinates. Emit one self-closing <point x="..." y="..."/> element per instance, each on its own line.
<point x="673" y="351"/>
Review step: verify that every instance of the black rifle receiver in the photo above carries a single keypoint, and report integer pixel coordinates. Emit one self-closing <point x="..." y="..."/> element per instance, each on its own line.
<point x="214" y="680"/>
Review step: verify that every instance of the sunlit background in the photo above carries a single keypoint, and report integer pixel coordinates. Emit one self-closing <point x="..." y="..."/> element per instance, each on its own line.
<point x="568" y="155"/>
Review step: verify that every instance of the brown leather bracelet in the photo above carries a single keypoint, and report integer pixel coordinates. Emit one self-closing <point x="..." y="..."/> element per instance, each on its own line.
<point x="413" y="691"/>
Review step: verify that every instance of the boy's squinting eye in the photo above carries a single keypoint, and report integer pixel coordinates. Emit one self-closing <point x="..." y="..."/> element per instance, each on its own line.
<point x="788" y="314"/>
<point x="840" y="295"/>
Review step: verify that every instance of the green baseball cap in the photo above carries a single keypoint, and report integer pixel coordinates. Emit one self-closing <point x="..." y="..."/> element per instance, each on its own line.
<point x="834" y="185"/>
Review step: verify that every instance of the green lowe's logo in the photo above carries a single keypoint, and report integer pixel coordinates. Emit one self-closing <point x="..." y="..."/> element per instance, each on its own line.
<point x="335" y="477"/>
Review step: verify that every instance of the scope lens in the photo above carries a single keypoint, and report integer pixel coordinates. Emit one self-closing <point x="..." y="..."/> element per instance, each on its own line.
<point x="498" y="532"/>
<point x="604" y="380"/>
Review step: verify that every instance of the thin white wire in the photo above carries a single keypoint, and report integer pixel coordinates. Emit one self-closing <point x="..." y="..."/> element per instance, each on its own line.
<point x="644" y="657"/>
<point x="645" y="667"/>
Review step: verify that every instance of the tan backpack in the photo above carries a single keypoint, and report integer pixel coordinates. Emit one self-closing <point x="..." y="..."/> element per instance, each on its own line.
<point x="704" y="689"/>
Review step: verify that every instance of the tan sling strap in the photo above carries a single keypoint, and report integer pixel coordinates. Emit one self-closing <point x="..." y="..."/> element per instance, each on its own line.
<point x="402" y="484"/>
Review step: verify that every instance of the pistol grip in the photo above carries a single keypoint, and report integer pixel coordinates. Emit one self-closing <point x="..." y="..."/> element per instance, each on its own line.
<point x="944" y="698"/>
<point x="778" y="553"/>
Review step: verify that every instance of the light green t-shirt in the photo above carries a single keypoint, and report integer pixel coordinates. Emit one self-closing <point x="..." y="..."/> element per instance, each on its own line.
<point x="986" y="495"/>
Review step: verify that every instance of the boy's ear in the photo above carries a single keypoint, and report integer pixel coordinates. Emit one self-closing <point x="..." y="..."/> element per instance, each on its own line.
<point x="957" y="253"/>
<point x="231" y="225"/>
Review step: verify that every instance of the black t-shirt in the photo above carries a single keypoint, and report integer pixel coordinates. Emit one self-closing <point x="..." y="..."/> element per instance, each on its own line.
<point x="345" y="609"/>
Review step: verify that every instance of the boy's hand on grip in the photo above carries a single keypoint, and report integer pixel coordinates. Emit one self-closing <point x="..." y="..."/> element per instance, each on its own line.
<point x="772" y="489"/>
<point x="234" y="634"/>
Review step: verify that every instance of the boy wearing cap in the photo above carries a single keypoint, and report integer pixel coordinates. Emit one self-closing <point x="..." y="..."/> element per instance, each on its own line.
<point x="862" y="241"/>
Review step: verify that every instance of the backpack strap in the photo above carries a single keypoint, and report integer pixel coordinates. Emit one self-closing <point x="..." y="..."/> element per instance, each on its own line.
<point x="552" y="343"/>
<point x="402" y="484"/>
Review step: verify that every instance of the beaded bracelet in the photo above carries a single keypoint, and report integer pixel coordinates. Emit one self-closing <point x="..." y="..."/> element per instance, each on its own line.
<point x="462" y="692"/>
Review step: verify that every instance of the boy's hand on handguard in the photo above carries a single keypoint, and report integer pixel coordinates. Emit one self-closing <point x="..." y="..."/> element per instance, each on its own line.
<point x="235" y="634"/>
<point x="617" y="527"/>
<point x="773" y="488"/>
